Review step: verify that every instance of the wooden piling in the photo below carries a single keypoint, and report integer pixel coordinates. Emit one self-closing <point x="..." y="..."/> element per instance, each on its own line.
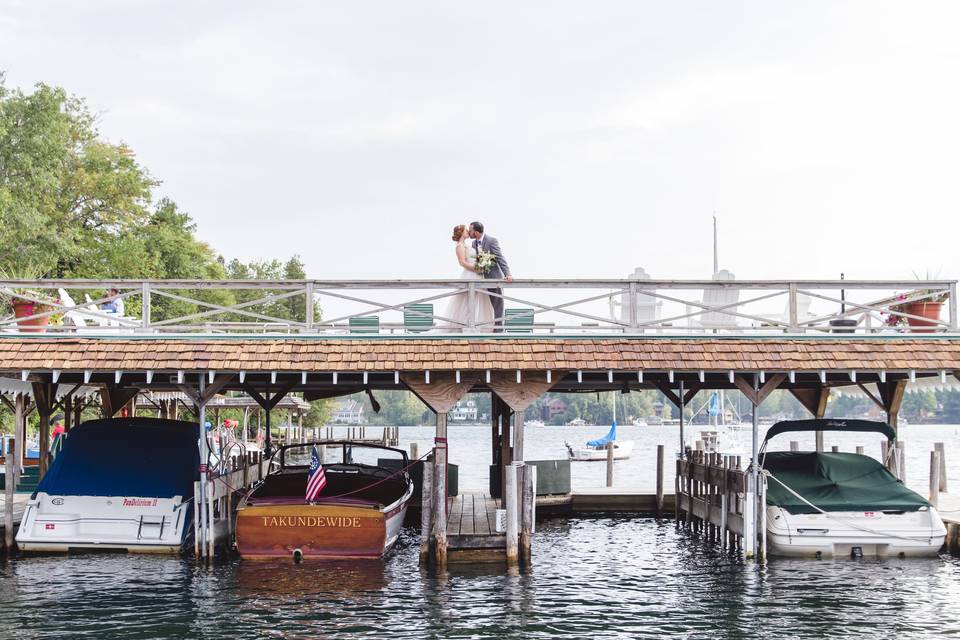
<point x="609" y="464"/>
<point x="527" y="504"/>
<point x="860" y="449"/>
<point x="510" y="503"/>
<point x="939" y="448"/>
<point x="794" y="445"/>
<point x="659" y="480"/>
<point x="935" y="478"/>
<point x="426" y="512"/>
<point x="440" y="491"/>
<point x="835" y="449"/>
<point x="8" y="497"/>
<point x="413" y="451"/>
<point x="901" y="461"/>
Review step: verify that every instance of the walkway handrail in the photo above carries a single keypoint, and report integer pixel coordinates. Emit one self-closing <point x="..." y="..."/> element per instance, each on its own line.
<point x="533" y="306"/>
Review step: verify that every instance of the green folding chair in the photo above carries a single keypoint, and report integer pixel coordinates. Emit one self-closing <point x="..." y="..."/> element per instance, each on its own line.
<point x="518" y="320"/>
<point x="418" y="318"/>
<point x="365" y="324"/>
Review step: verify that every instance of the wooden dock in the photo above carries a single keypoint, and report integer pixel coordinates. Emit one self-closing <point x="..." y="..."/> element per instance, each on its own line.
<point x="472" y="530"/>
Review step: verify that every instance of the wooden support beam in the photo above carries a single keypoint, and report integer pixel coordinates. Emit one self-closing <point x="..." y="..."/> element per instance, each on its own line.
<point x="757" y="397"/>
<point x="443" y="392"/>
<point x="113" y="398"/>
<point x="815" y="400"/>
<point x="520" y="395"/>
<point x="877" y="401"/>
<point x="891" y="394"/>
<point x="269" y="401"/>
<point x="45" y="396"/>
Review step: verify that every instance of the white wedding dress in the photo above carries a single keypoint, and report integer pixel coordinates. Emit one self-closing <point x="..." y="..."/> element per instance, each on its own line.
<point x="458" y="309"/>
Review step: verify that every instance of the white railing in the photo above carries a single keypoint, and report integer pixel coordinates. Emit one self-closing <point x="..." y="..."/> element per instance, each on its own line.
<point x="541" y="307"/>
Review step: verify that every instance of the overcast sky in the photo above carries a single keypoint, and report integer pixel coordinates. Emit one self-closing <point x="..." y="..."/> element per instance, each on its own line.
<point x="590" y="137"/>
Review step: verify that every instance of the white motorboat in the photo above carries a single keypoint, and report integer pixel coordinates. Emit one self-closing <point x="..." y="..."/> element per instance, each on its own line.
<point x="826" y="505"/>
<point x="639" y="422"/>
<point x="123" y="483"/>
<point x="577" y="422"/>
<point x="534" y="423"/>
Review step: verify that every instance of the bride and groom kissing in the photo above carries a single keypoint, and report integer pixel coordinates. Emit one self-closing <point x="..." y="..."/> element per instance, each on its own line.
<point x="481" y="258"/>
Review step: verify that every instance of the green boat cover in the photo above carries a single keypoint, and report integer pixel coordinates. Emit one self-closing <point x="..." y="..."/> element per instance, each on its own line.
<point x="835" y="482"/>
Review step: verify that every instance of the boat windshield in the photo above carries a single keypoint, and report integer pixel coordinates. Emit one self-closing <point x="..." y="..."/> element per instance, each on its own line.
<point x="340" y="453"/>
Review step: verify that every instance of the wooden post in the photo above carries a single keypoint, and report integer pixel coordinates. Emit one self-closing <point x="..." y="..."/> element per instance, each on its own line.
<point x="609" y="464"/>
<point x="935" y="478"/>
<point x="901" y="461"/>
<point x="510" y="495"/>
<point x="413" y="452"/>
<point x="528" y="503"/>
<point x="20" y="435"/>
<point x="860" y="449"/>
<point x="939" y="448"/>
<point x="518" y="436"/>
<point x="835" y="449"/>
<point x="440" y="490"/>
<point x="659" y="480"/>
<point x="8" y="497"/>
<point x="749" y="510"/>
<point x="819" y="441"/>
<point x="426" y="512"/>
<point x="794" y="445"/>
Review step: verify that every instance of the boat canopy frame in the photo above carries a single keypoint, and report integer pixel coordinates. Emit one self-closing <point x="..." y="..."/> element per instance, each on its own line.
<point x="278" y="455"/>
<point x="829" y="424"/>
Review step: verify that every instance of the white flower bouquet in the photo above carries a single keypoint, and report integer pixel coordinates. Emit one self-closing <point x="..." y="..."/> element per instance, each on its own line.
<point x="485" y="262"/>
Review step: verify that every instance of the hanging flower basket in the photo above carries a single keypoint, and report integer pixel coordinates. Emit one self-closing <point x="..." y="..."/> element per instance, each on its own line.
<point x="25" y="309"/>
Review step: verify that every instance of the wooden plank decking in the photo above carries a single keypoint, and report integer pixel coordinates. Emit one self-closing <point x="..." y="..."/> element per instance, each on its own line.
<point x="472" y="529"/>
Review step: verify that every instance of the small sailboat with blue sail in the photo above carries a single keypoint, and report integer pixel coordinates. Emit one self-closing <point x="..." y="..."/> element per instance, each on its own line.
<point x="597" y="449"/>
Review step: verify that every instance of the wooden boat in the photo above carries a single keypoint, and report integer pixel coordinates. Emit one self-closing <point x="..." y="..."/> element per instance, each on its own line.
<point x="358" y="514"/>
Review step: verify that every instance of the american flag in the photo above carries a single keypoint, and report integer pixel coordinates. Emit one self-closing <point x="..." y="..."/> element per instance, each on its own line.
<point x="316" y="478"/>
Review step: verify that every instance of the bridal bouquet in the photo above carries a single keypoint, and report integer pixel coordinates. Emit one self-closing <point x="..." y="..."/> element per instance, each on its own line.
<point x="485" y="262"/>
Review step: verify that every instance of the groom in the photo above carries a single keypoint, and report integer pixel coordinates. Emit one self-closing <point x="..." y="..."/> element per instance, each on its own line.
<point x="499" y="271"/>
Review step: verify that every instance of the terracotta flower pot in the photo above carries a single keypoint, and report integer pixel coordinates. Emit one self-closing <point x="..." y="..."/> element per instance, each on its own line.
<point x="929" y="310"/>
<point x="24" y="309"/>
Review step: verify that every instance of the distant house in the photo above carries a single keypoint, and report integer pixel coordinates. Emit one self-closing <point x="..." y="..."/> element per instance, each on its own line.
<point x="464" y="411"/>
<point x="349" y="412"/>
<point x="552" y="408"/>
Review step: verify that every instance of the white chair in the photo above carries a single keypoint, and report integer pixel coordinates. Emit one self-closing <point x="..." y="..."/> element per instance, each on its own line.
<point x="647" y="307"/>
<point x="725" y="298"/>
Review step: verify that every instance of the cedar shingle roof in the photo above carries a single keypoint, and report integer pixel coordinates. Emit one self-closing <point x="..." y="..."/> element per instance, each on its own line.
<point x="384" y="354"/>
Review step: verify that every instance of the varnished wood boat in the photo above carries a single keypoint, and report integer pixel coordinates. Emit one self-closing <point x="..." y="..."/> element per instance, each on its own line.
<point x="358" y="514"/>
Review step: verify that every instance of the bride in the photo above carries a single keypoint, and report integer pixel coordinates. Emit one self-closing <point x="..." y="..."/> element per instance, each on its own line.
<point x="458" y="309"/>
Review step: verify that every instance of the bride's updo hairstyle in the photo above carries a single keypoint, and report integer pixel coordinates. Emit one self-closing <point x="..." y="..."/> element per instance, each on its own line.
<point x="458" y="232"/>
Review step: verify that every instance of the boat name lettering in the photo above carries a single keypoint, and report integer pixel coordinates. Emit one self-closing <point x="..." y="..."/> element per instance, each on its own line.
<point x="139" y="502"/>
<point x="311" y="521"/>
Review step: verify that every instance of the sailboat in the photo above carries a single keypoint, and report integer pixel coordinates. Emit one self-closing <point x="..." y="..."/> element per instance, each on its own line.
<point x="597" y="449"/>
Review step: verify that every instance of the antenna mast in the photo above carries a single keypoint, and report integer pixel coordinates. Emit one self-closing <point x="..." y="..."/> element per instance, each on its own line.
<point x="716" y="257"/>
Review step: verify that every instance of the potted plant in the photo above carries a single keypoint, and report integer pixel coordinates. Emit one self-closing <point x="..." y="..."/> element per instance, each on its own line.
<point x="924" y="305"/>
<point x="24" y="303"/>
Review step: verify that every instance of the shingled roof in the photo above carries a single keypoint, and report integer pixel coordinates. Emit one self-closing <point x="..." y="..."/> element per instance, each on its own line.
<point x="438" y="354"/>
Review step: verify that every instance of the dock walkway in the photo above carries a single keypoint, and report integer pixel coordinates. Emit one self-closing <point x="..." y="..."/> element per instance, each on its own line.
<point x="472" y="529"/>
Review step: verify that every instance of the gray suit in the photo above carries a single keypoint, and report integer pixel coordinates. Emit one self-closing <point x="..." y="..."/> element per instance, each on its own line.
<point x="499" y="271"/>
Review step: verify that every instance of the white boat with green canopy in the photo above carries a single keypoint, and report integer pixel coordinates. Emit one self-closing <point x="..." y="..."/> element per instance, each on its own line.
<point x="822" y="504"/>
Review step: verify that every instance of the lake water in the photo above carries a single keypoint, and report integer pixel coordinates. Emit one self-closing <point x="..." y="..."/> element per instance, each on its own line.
<point x="593" y="577"/>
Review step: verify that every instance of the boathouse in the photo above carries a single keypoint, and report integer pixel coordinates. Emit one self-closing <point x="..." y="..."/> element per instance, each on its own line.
<point x="679" y="337"/>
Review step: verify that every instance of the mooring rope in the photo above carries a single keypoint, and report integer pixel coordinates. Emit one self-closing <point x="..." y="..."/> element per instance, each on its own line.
<point x="847" y="522"/>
